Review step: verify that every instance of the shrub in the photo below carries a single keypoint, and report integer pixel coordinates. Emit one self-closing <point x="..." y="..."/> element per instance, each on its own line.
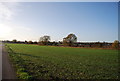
<point x="115" y="44"/>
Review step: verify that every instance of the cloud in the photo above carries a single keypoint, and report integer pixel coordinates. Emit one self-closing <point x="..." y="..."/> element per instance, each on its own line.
<point x="7" y="10"/>
<point x="10" y="31"/>
<point x="8" y="28"/>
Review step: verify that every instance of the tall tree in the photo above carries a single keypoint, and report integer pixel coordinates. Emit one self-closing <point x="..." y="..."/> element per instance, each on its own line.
<point x="70" y="40"/>
<point x="44" y="40"/>
<point x="26" y="42"/>
<point x="14" y="40"/>
<point x="30" y="42"/>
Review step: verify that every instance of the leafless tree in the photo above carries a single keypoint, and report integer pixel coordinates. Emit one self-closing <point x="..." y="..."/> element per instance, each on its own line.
<point x="70" y="40"/>
<point x="44" y="40"/>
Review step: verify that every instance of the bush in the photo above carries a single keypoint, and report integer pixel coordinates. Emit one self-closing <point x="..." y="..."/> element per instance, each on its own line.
<point x="30" y="42"/>
<point x="115" y="44"/>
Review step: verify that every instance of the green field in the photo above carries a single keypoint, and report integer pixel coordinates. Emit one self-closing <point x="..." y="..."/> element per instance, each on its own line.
<point x="47" y="62"/>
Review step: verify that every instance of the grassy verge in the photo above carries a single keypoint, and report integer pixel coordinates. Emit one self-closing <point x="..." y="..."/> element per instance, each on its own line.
<point x="19" y="64"/>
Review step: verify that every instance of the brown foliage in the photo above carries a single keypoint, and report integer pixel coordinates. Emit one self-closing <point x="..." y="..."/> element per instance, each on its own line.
<point x="115" y="44"/>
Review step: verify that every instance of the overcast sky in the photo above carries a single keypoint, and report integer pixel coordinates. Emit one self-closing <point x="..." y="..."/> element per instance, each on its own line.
<point x="89" y="21"/>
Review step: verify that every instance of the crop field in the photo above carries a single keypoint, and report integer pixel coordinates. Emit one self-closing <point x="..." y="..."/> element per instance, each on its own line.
<point x="49" y="62"/>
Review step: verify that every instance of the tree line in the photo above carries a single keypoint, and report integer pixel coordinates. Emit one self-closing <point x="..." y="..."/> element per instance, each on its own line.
<point x="70" y="40"/>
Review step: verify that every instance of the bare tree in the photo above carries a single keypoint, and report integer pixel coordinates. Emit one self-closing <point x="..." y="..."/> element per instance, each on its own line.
<point x="70" y="40"/>
<point x="44" y="40"/>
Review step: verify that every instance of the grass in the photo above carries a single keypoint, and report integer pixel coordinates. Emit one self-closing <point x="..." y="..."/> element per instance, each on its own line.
<point x="45" y="62"/>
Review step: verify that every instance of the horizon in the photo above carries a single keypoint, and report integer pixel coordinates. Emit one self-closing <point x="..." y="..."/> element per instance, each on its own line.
<point x="58" y="41"/>
<point x="89" y="21"/>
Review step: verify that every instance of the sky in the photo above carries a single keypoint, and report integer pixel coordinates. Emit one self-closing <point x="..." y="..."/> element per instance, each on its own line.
<point x="89" y="21"/>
